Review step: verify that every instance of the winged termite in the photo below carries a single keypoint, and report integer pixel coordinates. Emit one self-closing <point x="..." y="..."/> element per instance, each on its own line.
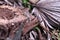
<point x="50" y="12"/>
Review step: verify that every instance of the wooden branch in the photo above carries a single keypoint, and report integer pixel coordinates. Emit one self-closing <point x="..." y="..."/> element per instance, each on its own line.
<point x="30" y="25"/>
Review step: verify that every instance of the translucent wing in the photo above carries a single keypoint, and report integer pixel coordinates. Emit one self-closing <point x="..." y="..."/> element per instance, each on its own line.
<point x="50" y="10"/>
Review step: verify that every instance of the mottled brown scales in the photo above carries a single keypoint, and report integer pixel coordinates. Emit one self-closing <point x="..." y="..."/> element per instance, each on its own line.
<point x="11" y="19"/>
<point x="6" y="13"/>
<point x="11" y="14"/>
